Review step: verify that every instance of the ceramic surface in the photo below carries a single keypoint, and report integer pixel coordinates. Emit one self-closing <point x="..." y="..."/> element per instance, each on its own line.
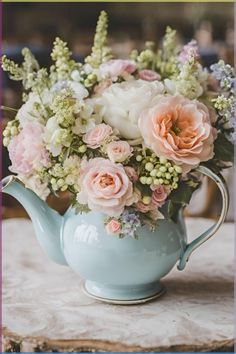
<point x="116" y="269"/>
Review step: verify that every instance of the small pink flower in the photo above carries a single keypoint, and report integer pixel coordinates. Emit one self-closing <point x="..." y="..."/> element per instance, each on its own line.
<point x="180" y="130"/>
<point x="118" y="151"/>
<point x="113" y="227"/>
<point x="189" y="50"/>
<point x="96" y="136"/>
<point x="27" y="151"/>
<point x="131" y="173"/>
<point x="159" y="194"/>
<point x="148" y="75"/>
<point x="105" y="187"/>
<point x="145" y="208"/>
<point x="117" y="67"/>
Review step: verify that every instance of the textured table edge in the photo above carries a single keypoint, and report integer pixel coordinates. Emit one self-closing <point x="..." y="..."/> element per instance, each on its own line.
<point x="15" y="343"/>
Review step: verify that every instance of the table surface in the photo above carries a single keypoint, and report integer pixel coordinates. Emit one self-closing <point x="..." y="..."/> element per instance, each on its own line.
<point x="44" y="307"/>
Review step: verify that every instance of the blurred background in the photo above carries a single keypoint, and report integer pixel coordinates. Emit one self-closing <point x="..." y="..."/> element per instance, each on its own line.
<point x="36" y="25"/>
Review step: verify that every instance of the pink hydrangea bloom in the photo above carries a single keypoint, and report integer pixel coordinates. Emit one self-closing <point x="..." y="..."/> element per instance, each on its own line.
<point x="27" y="150"/>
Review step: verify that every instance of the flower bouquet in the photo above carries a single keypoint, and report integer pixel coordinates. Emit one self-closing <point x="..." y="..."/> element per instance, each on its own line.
<point x="123" y="137"/>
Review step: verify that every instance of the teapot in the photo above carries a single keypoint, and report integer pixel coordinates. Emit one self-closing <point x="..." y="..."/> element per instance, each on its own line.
<point x="122" y="271"/>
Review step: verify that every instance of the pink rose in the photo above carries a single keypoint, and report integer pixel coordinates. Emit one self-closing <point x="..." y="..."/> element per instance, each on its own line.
<point x="105" y="187"/>
<point x="148" y="75"/>
<point x="180" y="130"/>
<point x="159" y="194"/>
<point x="118" y="151"/>
<point x="145" y="208"/>
<point x="131" y="173"/>
<point x="113" y="227"/>
<point x="27" y="151"/>
<point x="117" y="67"/>
<point x="95" y="136"/>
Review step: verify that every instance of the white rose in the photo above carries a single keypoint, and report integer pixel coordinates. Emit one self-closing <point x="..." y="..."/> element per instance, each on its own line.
<point x="121" y="104"/>
<point x="32" y="108"/>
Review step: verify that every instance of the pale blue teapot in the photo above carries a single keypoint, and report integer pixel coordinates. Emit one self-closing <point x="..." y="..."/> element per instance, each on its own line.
<point x="116" y="270"/>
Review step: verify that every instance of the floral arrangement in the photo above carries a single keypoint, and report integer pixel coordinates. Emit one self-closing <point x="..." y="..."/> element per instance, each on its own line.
<point x="123" y="137"/>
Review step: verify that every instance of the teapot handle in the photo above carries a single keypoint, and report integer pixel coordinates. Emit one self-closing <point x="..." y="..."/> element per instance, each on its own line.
<point x="212" y="230"/>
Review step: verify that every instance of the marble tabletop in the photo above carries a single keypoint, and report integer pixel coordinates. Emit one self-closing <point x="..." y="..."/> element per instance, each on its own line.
<point x="45" y="309"/>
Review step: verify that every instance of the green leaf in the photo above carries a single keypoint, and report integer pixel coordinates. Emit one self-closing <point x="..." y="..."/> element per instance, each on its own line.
<point x="183" y="194"/>
<point x="224" y="149"/>
<point x="179" y="198"/>
<point x="173" y="210"/>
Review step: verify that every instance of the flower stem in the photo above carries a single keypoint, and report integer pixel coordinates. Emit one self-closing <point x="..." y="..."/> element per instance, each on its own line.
<point x="8" y="109"/>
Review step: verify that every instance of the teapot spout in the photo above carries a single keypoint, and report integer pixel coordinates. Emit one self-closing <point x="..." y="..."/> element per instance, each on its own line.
<point x="48" y="224"/>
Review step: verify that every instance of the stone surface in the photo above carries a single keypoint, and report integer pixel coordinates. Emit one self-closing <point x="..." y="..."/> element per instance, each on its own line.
<point x="45" y="309"/>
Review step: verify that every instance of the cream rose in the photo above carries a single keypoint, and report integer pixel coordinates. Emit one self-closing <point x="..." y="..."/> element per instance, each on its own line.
<point x="95" y="136"/>
<point x="121" y="104"/>
<point x="180" y="130"/>
<point x="118" y="151"/>
<point x="105" y="187"/>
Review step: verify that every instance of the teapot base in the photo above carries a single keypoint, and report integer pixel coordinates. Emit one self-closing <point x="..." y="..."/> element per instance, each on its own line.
<point x="124" y="294"/>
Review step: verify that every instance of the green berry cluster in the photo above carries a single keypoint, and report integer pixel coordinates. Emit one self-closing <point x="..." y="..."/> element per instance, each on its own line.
<point x="154" y="170"/>
<point x="10" y="131"/>
<point x="65" y="176"/>
<point x="77" y="146"/>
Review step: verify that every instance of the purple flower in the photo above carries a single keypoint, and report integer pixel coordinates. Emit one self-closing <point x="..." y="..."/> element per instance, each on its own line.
<point x="130" y="223"/>
<point x="224" y="74"/>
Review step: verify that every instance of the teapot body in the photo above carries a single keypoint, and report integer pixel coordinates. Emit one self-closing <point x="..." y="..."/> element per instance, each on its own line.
<point x="121" y="268"/>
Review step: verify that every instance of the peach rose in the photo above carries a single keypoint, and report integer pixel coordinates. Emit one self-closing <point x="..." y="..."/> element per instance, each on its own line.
<point x="118" y="151"/>
<point x="105" y="187"/>
<point x="159" y="194"/>
<point x="113" y="227"/>
<point x="148" y="75"/>
<point x="180" y="130"/>
<point x="95" y="136"/>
